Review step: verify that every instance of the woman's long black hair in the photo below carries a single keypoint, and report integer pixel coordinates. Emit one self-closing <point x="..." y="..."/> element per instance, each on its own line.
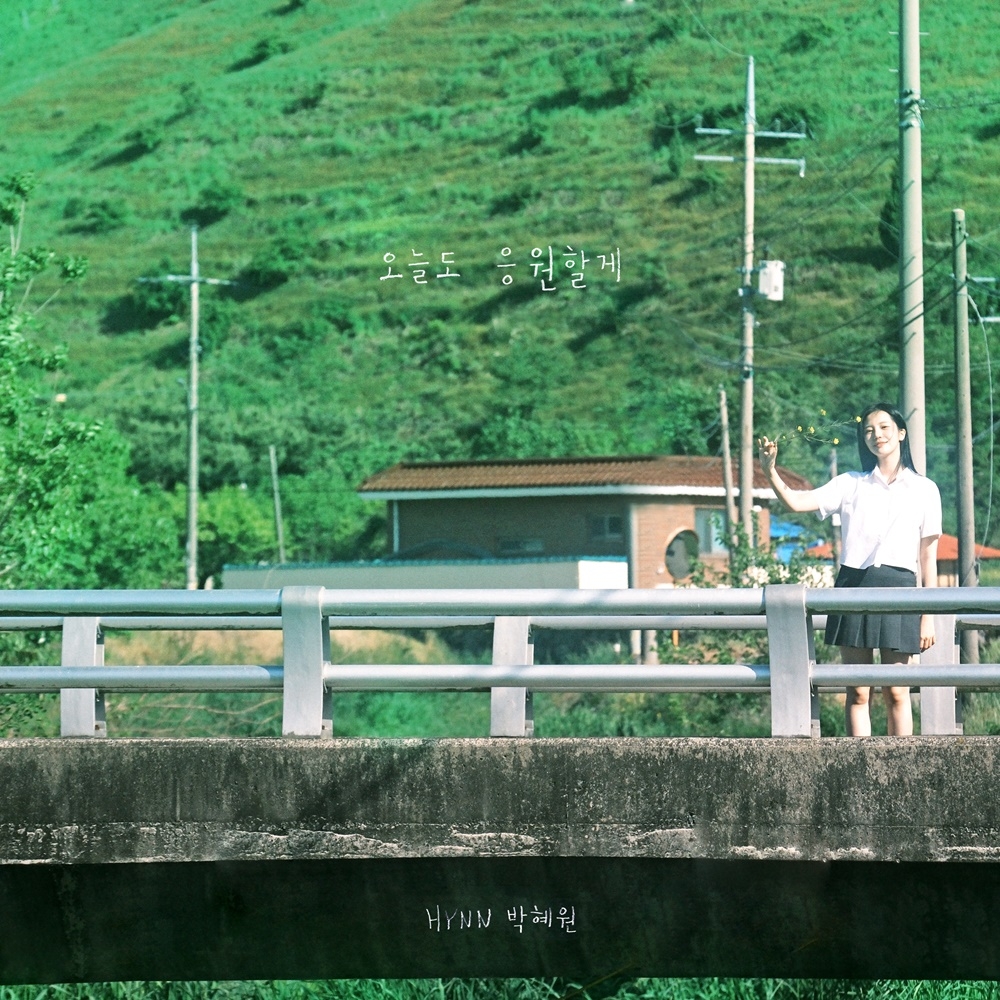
<point x="868" y="459"/>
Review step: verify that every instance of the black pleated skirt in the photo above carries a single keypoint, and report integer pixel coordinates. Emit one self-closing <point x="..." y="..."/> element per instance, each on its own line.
<point x="875" y="631"/>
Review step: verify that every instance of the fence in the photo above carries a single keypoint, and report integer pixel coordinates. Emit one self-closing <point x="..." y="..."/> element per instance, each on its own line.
<point x="789" y="614"/>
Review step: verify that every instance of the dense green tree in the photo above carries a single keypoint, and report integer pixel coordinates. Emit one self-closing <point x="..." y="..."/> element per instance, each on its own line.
<point x="69" y="514"/>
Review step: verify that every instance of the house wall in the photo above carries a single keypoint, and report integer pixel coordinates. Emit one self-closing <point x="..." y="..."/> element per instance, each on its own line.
<point x="468" y="574"/>
<point x="560" y="526"/>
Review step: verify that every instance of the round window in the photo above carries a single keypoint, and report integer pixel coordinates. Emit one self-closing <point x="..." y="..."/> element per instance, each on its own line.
<point x="682" y="552"/>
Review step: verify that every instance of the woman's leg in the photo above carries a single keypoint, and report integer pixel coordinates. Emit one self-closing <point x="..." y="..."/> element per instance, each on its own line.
<point x="898" y="712"/>
<point x="857" y="716"/>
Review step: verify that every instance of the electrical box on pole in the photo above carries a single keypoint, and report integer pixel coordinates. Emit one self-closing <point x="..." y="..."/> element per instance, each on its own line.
<point x="771" y="280"/>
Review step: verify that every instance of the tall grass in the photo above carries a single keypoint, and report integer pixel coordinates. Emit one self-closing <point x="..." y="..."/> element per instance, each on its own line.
<point x="515" y="989"/>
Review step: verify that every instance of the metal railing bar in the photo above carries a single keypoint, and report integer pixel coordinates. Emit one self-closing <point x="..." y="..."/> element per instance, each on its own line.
<point x="140" y="602"/>
<point x="541" y="602"/>
<point x="659" y="622"/>
<point x="191" y="623"/>
<point x="137" y="623"/>
<point x="28" y="623"/>
<point x="977" y="621"/>
<point x="541" y="677"/>
<point x="986" y="675"/>
<point x="546" y="677"/>
<point x="961" y="600"/>
<point x="201" y="677"/>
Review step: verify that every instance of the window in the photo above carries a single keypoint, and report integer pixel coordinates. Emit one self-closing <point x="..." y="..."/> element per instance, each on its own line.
<point x="681" y="554"/>
<point x="606" y="528"/>
<point x="520" y="546"/>
<point x="710" y="526"/>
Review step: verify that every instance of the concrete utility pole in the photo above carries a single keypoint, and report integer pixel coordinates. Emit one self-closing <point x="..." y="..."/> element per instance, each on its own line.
<point x="279" y="526"/>
<point x="911" y="236"/>
<point x="193" y="280"/>
<point x="750" y="159"/>
<point x="727" y="469"/>
<point x="749" y="317"/>
<point x="835" y="519"/>
<point x="967" y="576"/>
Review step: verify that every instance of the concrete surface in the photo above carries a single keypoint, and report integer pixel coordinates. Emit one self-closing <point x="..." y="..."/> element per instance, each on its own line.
<point x="99" y="801"/>
<point x="233" y="859"/>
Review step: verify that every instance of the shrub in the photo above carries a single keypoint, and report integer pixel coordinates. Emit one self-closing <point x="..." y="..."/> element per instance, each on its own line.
<point x="215" y="202"/>
<point x="262" y="51"/>
<point x="148" y="304"/>
<point x="307" y="101"/>
<point x="275" y="264"/>
<point x="102" y="216"/>
<point x="143" y="140"/>
<point x="294" y="339"/>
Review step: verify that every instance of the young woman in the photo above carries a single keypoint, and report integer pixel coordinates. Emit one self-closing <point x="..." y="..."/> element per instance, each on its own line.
<point x="890" y="523"/>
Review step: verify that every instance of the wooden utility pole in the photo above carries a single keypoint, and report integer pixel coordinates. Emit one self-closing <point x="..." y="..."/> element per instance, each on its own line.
<point x="193" y="280"/>
<point x="911" y="237"/>
<point x="747" y="291"/>
<point x="967" y="576"/>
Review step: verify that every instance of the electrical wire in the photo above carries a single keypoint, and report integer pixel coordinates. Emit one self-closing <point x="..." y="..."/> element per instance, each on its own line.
<point x="989" y="382"/>
<point x="991" y="102"/>
<point x="722" y="45"/>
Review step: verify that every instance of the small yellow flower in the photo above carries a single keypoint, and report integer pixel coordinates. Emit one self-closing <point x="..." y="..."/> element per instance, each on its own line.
<point x="836" y="440"/>
<point x="857" y="420"/>
<point x="812" y="430"/>
<point x="799" y="428"/>
<point x="822" y="413"/>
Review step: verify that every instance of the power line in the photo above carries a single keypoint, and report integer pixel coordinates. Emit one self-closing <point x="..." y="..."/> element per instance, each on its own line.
<point x="704" y="27"/>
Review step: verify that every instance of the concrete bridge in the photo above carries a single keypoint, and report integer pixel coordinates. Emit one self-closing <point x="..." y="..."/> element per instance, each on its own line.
<point x="327" y="858"/>
<point x="245" y="859"/>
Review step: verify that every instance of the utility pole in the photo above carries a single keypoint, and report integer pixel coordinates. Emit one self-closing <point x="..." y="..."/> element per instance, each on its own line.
<point x="193" y="280"/>
<point x="749" y="318"/>
<point x="727" y="470"/>
<point x="911" y="237"/>
<point x="750" y="159"/>
<point x="967" y="576"/>
<point x="278" y="523"/>
<point x="837" y="540"/>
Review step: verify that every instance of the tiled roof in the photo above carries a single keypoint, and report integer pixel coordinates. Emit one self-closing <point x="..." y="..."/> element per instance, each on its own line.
<point x="695" y="471"/>
<point x="948" y="549"/>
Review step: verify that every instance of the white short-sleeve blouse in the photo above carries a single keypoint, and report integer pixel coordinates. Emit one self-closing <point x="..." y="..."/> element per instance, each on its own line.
<point x="882" y="523"/>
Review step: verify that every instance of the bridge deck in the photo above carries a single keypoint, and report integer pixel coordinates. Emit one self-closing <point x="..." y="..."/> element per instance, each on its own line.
<point x="159" y="859"/>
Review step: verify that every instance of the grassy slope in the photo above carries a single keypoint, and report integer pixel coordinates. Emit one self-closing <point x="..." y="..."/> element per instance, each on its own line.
<point x="466" y="127"/>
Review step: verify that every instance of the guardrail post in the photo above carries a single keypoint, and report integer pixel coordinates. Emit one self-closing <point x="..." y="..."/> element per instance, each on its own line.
<point x="307" y="708"/>
<point x="938" y="715"/>
<point x="789" y="629"/>
<point x="81" y="710"/>
<point x="510" y="708"/>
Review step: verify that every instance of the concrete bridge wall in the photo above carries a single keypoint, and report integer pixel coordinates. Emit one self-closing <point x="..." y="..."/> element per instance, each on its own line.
<point x="191" y="859"/>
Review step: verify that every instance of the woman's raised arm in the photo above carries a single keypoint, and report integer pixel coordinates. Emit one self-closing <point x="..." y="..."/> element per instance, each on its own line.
<point x="800" y="501"/>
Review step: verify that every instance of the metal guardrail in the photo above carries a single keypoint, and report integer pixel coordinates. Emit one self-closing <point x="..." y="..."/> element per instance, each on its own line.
<point x="305" y="615"/>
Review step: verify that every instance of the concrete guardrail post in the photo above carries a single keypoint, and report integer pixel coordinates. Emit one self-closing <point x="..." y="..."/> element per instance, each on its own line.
<point x="307" y="707"/>
<point x="794" y="707"/>
<point x="81" y="710"/>
<point x="510" y="707"/>
<point x="938" y="705"/>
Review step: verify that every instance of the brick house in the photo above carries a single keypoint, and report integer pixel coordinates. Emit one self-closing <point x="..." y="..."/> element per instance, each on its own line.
<point x="658" y="511"/>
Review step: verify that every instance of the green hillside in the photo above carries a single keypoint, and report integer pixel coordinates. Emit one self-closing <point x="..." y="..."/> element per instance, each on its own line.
<point x="310" y="138"/>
